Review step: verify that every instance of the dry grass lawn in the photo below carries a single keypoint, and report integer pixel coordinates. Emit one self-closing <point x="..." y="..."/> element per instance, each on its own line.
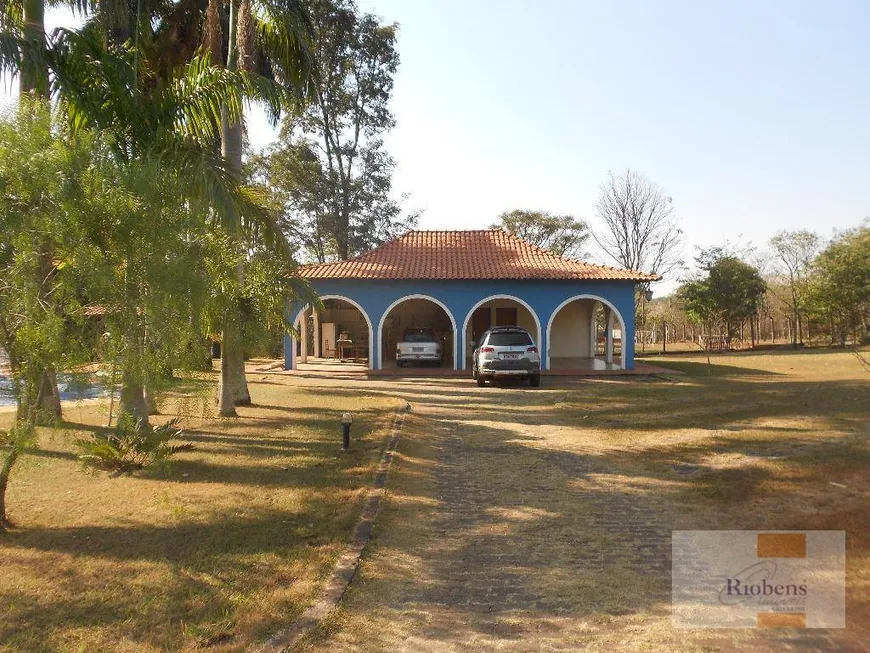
<point x="540" y="520"/>
<point x="517" y="519"/>
<point x="217" y="550"/>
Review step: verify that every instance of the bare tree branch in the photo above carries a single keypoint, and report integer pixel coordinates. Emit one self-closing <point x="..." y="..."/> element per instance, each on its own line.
<point x="640" y="230"/>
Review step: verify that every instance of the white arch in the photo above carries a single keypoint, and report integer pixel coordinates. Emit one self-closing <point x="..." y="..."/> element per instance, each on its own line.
<point x="595" y="298"/>
<point x="489" y="299"/>
<point x="298" y="317"/>
<point x="406" y="298"/>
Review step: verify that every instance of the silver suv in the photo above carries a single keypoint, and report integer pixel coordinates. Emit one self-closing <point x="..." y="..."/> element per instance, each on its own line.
<point x="504" y="352"/>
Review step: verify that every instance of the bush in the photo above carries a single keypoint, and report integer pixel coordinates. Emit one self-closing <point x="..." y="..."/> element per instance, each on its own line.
<point x="133" y="445"/>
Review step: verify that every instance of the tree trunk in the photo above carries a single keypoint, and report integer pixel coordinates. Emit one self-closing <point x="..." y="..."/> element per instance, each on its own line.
<point x="226" y="394"/>
<point x="132" y="400"/>
<point x="5" y="471"/>
<point x="232" y="355"/>
<point x="48" y="397"/>
<point x="150" y="401"/>
<point x="34" y="78"/>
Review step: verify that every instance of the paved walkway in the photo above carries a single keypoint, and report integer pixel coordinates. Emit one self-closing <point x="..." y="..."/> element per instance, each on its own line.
<point x="505" y="530"/>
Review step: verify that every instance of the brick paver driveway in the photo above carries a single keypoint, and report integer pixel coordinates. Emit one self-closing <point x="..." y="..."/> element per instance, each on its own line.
<point x="519" y="520"/>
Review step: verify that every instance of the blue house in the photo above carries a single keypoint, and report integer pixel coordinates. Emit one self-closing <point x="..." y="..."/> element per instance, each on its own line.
<point x="461" y="283"/>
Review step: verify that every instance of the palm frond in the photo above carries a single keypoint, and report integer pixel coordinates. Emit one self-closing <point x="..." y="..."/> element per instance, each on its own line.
<point x="174" y="122"/>
<point x="11" y="45"/>
<point x="241" y="210"/>
<point x="284" y="33"/>
<point x="11" y="15"/>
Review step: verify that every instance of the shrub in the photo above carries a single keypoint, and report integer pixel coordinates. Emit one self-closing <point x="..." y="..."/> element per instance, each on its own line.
<point x="133" y="445"/>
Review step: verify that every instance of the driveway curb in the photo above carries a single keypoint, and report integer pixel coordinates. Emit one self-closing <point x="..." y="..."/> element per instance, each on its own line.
<point x="348" y="563"/>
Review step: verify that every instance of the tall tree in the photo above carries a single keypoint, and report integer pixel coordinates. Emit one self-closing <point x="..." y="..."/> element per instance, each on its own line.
<point x="795" y="252"/>
<point x="176" y="121"/>
<point x="561" y="234"/>
<point x="330" y="168"/>
<point x="38" y="197"/>
<point x="279" y="34"/>
<point x="640" y="229"/>
<point x="727" y="292"/>
<point x="839" y="285"/>
<point x="23" y="25"/>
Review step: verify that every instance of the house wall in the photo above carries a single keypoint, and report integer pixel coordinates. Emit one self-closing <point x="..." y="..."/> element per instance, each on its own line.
<point x="569" y="332"/>
<point x="460" y="297"/>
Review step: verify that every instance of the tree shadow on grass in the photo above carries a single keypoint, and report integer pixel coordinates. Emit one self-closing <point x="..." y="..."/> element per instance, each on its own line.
<point x="517" y="540"/>
<point x="700" y="368"/>
<point x="144" y="583"/>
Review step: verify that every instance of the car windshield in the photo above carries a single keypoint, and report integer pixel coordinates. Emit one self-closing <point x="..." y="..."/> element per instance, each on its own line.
<point x="419" y="335"/>
<point x="509" y="339"/>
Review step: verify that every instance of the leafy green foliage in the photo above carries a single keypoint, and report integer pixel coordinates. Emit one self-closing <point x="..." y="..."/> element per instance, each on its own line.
<point x="40" y="204"/>
<point x="728" y="292"/>
<point x="839" y="287"/>
<point x="329" y="171"/>
<point x="794" y="253"/>
<point x="133" y="445"/>
<point x="561" y="234"/>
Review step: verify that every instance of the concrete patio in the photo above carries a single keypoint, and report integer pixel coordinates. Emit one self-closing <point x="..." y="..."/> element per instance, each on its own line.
<point x="561" y="367"/>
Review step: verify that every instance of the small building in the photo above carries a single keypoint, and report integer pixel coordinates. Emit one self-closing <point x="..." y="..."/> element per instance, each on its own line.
<point x="461" y="283"/>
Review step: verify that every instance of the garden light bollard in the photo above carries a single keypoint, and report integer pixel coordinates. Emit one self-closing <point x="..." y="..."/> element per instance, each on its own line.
<point x="346" y="421"/>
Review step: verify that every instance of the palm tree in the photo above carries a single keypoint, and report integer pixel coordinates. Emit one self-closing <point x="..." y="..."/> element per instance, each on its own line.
<point x="113" y="91"/>
<point x="277" y="34"/>
<point x="274" y="32"/>
<point x="268" y="37"/>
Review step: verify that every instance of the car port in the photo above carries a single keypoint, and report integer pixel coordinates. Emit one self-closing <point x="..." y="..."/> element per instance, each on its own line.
<point x="502" y="310"/>
<point x="415" y="312"/>
<point x="585" y="333"/>
<point x="338" y="334"/>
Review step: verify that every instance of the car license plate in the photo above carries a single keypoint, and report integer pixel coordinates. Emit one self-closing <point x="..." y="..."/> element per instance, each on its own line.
<point x="510" y="356"/>
<point x="417" y="348"/>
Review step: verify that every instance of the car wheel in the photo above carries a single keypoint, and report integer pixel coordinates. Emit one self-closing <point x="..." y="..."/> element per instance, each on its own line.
<point x="535" y="380"/>
<point x="480" y="381"/>
<point x="473" y="372"/>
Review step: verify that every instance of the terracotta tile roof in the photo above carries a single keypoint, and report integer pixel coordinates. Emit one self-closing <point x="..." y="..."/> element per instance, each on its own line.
<point x="484" y="254"/>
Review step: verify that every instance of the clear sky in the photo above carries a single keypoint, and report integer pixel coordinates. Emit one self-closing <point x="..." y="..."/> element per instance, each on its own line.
<point x="753" y="116"/>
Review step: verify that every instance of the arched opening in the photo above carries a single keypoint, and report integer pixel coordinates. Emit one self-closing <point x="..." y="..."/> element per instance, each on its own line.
<point x="585" y="333"/>
<point x="340" y="333"/>
<point x="498" y="310"/>
<point x="417" y="330"/>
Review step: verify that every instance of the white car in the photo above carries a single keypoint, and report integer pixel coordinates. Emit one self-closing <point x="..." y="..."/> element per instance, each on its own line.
<point x="506" y="352"/>
<point x="419" y="345"/>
